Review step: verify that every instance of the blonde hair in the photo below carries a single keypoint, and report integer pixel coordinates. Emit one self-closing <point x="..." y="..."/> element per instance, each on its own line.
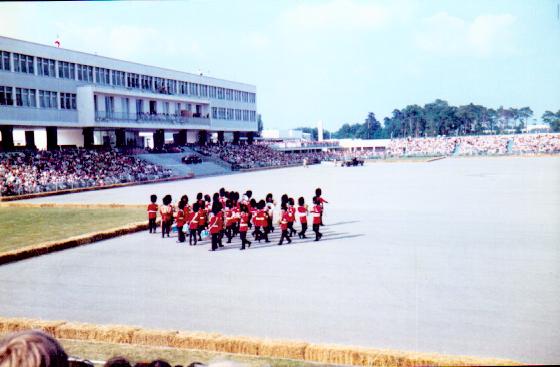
<point x="31" y="348"/>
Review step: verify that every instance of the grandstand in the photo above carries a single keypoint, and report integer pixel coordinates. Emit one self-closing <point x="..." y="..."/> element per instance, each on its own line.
<point x="52" y="97"/>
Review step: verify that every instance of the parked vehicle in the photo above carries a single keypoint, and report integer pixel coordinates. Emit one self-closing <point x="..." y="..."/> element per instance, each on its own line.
<point x="191" y="159"/>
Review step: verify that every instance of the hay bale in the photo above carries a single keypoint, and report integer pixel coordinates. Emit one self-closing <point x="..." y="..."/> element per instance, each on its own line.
<point x="161" y="338"/>
<point x="237" y="344"/>
<point x="10" y="325"/>
<point x="75" y="330"/>
<point x="195" y="340"/>
<point x="282" y="349"/>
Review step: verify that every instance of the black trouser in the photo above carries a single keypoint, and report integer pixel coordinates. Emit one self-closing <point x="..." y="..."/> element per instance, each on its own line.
<point x="303" y="229"/>
<point x="270" y="226"/>
<point x="192" y="234"/>
<point x="200" y="229"/>
<point x="318" y="234"/>
<point x="181" y="234"/>
<point x="257" y="233"/>
<point x="165" y="228"/>
<point x="243" y="237"/>
<point x="284" y="236"/>
<point x="152" y="225"/>
<point x="215" y="240"/>
<point x="291" y="228"/>
<point x="229" y="233"/>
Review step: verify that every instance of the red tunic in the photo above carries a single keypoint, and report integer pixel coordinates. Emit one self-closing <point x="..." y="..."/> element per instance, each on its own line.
<point x="291" y="214"/>
<point x="180" y="219"/>
<point x="244" y="222"/>
<point x="166" y="212"/>
<point x="201" y="217"/>
<point x="193" y="220"/>
<point x="316" y="214"/>
<point x="229" y="217"/>
<point x="215" y="225"/>
<point x="302" y="214"/>
<point x="284" y="221"/>
<point x="152" y="211"/>
<point x="260" y="218"/>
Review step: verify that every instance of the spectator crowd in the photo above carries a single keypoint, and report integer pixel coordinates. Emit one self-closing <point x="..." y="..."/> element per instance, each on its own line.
<point x="257" y="155"/>
<point x="35" y="348"/>
<point x="28" y="172"/>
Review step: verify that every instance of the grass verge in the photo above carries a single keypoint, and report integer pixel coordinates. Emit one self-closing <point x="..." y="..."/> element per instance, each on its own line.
<point x="23" y="226"/>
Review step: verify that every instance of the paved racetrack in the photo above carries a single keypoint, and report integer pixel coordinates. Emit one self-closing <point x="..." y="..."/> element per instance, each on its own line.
<point x="458" y="256"/>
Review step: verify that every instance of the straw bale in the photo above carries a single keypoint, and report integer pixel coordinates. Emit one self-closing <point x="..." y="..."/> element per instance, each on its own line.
<point x="153" y="337"/>
<point x="195" y="340"/>
<point x="75" y="330"/>
<point x="282" y="349"/>
<point x="237" y="344"/>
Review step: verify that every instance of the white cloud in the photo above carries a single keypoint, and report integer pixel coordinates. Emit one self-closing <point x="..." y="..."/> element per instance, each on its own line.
<point x="337" y="14"/>
<point x="486" y="34"/>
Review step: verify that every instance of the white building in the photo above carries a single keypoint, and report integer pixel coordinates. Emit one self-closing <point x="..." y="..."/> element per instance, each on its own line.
<point x="73" y="98"/>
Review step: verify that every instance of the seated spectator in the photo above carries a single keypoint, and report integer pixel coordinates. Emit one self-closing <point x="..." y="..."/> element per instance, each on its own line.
<point x="32" y="348"/>
<point x="40" y="171"/>
<point x="117" y="362"/>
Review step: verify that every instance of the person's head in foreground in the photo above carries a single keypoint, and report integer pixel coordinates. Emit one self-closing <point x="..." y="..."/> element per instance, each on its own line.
<point x="31" y="348"/>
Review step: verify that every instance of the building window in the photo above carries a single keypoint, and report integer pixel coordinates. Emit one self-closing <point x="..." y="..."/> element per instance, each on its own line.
<point x="66" y="70"/>
<point x="214" y="112"/>
<point x="85" y="73"/>
<point x="6" y="96"/>
<point x="125" y="104"/>
<point x="45" y="67"/>
<point x="139" y="106"/>
<point x="146" y="82"/>
<point x="47" y="99"/>
<point x="133" y="80"/>
<point x="23" y="63"/>
<point x="4" y="60"/>
<point x="68" y="101"/>
<point x="25" y="97"/>
<point x="203" y="90"/>
<point x="171" y="86"/>
<point x="102" y="76"/>
<point x="118" y="78"/>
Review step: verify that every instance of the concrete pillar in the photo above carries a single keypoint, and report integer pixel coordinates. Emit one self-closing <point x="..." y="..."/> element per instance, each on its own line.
<point x="220" y="137"/>
<point x="7" y="137"/>
<point x="236" y="135"/>
<point x="30" y="139"/>
<point x="159" y="139"/>
<point x="52" y="138"/>
<point x="180" y="138"/>
<point x="202" y="137"/>
<point x="88" y="137"/>
<point x="120" y="135"/>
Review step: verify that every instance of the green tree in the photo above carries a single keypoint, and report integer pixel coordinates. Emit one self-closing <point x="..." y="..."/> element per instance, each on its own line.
<point x="552" y="119"/>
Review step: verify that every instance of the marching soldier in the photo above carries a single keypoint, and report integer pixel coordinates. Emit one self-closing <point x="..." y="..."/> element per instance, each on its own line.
<point x="302" y="215"/>
<point x="152" y="214"/>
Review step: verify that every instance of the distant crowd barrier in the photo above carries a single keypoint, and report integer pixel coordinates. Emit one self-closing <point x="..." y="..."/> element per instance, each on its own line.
<point x="215" y="342"/>
<point x="92" y="188"/>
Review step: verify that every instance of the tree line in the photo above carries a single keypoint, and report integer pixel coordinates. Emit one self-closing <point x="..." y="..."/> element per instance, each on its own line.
<point x="440" y="118"/>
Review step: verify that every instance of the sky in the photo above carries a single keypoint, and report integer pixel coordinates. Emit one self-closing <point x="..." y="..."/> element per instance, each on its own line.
<point x="332" y="60"/>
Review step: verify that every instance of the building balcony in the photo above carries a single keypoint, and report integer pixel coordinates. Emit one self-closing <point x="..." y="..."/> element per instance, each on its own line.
<point x="33" y="116"/>
<point x="151" y="119"/>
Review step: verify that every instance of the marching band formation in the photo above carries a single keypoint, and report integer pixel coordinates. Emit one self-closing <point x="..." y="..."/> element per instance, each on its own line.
<point x="228" y="214"/>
